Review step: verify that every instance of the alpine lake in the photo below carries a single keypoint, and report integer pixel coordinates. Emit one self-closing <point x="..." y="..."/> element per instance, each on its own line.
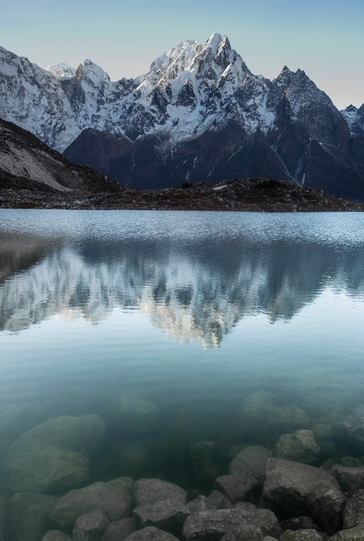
<point x="160" y="344"/>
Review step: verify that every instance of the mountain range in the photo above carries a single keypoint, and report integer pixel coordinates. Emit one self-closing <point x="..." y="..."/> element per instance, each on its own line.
<point x="198" y="114"/>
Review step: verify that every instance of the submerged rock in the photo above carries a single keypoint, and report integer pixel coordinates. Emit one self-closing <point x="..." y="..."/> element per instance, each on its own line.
<point x="151" y="533"/>
<point x="133" y="413"/>
<point x="244" y="522"/>
<point x="28" y="516"/>
<point x="219" y="500"/>
<point x="148" y="491"/>
<point x="168" y="515"/>
<point x="298" y="447"/>
<point x="251" y="460"/>
<point x="237" y="486"/>
<point x="293" y="489"/>
<point x="91" y="526"/>
<point x="119" y="530"/>
<point x="353" y="534"/>
<point x="56" y="535"/>
<point x="116" y="503"/>
<point x="80" y="434"/>
<point x="47" y="469"/>
<point x="263" y="409"/>
<point x="354" y="510"/>
<point x="301" y="535"/>
<point x="201" y="503"/>
<point x="350" y="479"/>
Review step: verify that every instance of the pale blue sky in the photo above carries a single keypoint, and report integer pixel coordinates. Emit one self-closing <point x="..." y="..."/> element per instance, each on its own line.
<point x="324" y="38"/>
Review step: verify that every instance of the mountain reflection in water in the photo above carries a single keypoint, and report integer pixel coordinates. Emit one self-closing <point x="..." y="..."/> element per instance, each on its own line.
<point x="194" y="291"/>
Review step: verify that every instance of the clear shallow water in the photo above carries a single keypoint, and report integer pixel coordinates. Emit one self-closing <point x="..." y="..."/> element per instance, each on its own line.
<point x="184" y="315"/>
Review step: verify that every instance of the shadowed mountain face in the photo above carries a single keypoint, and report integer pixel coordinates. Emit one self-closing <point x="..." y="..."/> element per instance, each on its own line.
<point x="198" y="114"/>
<point x="194" y="292"/>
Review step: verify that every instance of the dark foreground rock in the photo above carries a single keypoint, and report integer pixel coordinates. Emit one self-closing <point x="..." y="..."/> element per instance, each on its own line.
<point x="245" y="522"/>
<point x="350" y="479"/>
<point x="90" y="527"/>
<point x="292" y="489"/>
<point x="354" y="510"/>
<point x="56" y="535"/>
<point x="301" y="535"/>
<point x="353" y="534"/>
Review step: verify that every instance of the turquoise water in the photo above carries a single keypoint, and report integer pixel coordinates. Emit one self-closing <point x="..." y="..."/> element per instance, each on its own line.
<point x="165" y="323"/>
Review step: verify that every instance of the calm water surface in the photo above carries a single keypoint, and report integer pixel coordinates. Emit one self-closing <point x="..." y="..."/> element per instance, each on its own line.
<point x="180" y="329"/>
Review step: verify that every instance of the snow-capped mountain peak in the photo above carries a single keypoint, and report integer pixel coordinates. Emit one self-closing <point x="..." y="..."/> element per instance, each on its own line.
<point x="61" y="71"/>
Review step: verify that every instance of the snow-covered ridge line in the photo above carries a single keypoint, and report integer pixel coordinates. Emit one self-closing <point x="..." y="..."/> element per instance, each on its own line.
<point x="189" y="89"/>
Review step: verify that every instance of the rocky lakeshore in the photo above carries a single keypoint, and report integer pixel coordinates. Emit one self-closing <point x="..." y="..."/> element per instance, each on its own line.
<point x="240" y="194"/>
<point x="303" y="487"/>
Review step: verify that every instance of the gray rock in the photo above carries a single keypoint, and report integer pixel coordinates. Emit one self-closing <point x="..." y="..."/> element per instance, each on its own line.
<point x="219" y="500"/>
<point x="253" y="460"/>
<point x="151" y="534"/>
<point x="354" y="425"/>
<point x="56" y="535"/>
<point x="354" y="510"/>
<point x="325" y="437"/>
<point x="295" y="489"/>
<point x="123" y="482"/>
<point x="201" y="503"/>
<point x="245" y="522"/>
<point x="119" y="530"/>
<point x="115" y="502"/>
<point x="327" y="504"/>
<point x="299" y="447"/>
<point x="47" y="469"/>
<point x="301" y="535"/>
<point x="350" y="479"/>
<point x="28" y="516"/>
<point x="81" y="434"/>
<point x="299" y="523"/>
<point x="269" y="538"/>
<point x="91" y="526"/>
<point x="168" y="515"/>
<point x="353" y="534"/>
<point x="352" y="462"/>
<point x="265" y="409"/>
<point x="134" y="412"/>
<point x="147" y="491"/>
<point x="237" y="486"/>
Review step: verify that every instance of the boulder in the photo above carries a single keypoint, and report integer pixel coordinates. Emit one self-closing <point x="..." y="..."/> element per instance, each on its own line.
<point x="115" y="502"/>
<point x="91" y="526"/>
<point x="350" y="479"/>
<point x="301" y="535"/>
<point x="151" y="533"/>
<point x="81" y="434"/>
<point x="354" y="510"/>
<point x="237" y="486"/>
<point x="133" y="413"/>
<point x="126" y="483"/>
<point x="251" y="460"/>
<point x="168" y="515"/>
<point x="264" y="409"/>
<point x="299" y="523"/>
<point x="28" y="516"/>
<point x="47" y="469"/>
<point x="56" y="535"/>
<point x="147" y="491"/>
<point x="298" y="447"/>
<point x="325" y="437"/>
<point x="353" y="534"/>
<point x="119" y="530"/>
<point x="219" y="500"/>
<point x="293" y="489"/>
<point x="245" y="522"/>
<point x="201" y="503"/>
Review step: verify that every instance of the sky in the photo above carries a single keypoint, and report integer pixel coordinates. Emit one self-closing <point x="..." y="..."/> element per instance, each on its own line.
<point x="324" y="38"/>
